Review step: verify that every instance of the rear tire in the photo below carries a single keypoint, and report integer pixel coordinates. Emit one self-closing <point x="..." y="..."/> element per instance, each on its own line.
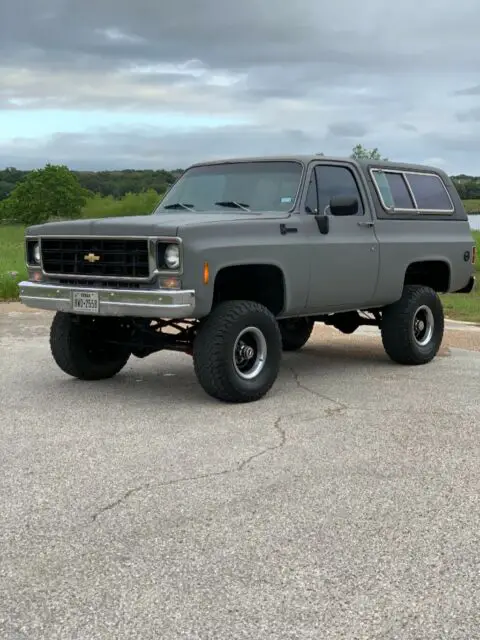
<point x="412" y="328"/>
<point x="80" y="349"/>
<point x="237" y="352"/>
<point x="295" y="332"/>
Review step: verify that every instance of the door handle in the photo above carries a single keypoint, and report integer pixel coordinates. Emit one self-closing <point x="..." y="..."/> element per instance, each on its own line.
<point x="284" y="229"/>
<point x="366" y="224"/>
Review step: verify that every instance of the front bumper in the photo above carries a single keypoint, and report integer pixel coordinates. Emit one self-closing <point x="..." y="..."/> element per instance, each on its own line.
<point x="141" y="303"/>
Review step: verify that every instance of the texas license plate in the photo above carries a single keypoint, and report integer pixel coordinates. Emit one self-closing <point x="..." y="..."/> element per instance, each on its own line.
<point x="85" y="302"/>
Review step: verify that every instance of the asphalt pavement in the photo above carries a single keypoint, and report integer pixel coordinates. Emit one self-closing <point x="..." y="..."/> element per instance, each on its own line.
<point x="345" y="504"/>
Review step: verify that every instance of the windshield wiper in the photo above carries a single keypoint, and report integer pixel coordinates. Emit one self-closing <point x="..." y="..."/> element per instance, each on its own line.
<point x="179" y="205"/>
<point x="233" y="204"/>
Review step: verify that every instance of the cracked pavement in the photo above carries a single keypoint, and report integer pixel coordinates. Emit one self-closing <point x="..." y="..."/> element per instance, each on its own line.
<point x="343" y="505"/>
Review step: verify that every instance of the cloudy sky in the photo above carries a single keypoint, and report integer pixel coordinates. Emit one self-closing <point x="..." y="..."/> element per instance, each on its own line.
<point x="154" y="84"/>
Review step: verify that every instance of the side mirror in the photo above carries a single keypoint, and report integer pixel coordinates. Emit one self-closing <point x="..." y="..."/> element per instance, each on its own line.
<point x="343" y="206"/>
<point x="323" y="224"/>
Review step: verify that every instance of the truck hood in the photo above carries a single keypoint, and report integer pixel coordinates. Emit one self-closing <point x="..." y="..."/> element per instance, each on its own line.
<point x="159" y="224"/>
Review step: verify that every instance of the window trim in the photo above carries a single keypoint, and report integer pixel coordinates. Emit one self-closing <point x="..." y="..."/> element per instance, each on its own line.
<point x="415" y="209"/>
<point x="340" y="165"/>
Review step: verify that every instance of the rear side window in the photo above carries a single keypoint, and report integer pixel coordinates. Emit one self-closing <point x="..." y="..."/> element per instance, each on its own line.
<point x="429" y="192"/>
<point x="399" y="190"/>
<point x="397" y="187"/>
<point x="383" y="188"/>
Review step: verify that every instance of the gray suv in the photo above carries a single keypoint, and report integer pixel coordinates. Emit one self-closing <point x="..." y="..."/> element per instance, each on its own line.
<point x="243" y="256"/>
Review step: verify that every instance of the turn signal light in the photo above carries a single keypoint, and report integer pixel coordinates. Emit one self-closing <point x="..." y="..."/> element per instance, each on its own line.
<point x="170" y="283"/>
<point x="206" y="273"/>
<point x="36" y="276"/>
<point x="474" y="254"/>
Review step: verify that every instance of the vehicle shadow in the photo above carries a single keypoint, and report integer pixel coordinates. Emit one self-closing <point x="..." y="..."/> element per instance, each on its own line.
<point x="171" y="378"/>
<point x="347" y="351"/>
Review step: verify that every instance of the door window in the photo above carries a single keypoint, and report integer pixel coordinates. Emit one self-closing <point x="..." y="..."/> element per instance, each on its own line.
<point x="330" y="181"/>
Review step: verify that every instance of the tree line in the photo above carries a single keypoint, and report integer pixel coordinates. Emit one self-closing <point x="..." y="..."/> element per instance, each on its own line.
<point x="119" y="183"/>
<point x="104" y="183"/>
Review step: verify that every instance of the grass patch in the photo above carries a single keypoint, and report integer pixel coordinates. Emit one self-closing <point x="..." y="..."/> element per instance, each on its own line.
<point x="472" y="206"/>
<point x="459" y="306"/>
<point x="466" y="307"/>
<point x="12" y="264"/>
<point x="132" y="204"/>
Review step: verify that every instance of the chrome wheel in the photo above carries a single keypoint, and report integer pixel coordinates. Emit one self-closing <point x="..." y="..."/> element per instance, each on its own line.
<point x="423" y="325"/>
<point x="249" y="353"/>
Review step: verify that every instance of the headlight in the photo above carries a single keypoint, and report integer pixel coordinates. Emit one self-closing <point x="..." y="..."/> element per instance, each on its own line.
<point x="36" y="252"/>
<point x="172" y="256"/>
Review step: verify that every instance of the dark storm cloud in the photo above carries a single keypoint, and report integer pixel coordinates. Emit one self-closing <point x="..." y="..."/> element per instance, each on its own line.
<point x="470" y="115"/>
<point x="465" y="143"/>
<point x="231" y="34"/>
<point x="147" y="148"/>
<point x="159" y="78"/>
<point x="469" y="91"/>
<point x="220" y="33"/>
<point x="347" y="130"/>
<point x="311" y="67"/>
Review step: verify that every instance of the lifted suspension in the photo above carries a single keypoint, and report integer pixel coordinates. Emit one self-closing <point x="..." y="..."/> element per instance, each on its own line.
<point x="158" y="335"/>
<point x="143" y="336"/>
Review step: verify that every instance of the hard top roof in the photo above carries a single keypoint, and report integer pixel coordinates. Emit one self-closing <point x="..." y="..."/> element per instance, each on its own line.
<point x="307" y="158"/>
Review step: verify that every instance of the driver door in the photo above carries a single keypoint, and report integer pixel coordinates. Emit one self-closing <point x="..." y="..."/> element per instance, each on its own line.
<point x="344" y="262"/>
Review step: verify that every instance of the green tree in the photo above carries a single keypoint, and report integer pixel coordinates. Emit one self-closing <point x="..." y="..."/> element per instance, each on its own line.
<point x="359" y="152"/>
<point x="45" y="194"/>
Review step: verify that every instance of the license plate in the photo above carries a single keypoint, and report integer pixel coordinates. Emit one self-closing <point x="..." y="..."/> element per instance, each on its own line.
<point x="85" y="302"/>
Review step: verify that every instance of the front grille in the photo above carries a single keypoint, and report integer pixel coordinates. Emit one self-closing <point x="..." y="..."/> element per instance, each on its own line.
<point x="112" y="258"/>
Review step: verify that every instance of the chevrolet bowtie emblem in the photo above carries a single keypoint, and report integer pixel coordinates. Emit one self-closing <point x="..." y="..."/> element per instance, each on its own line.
<point x="91" y="257"/>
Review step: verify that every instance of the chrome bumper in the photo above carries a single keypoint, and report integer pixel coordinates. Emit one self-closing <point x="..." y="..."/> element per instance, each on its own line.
<point x="160" y="303"/>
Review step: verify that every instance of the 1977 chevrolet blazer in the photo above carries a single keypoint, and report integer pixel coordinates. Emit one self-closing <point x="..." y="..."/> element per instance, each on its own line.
<point x="243" y="256"/>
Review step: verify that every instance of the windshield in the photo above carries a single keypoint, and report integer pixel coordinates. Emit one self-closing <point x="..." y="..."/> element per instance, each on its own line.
<point x="243" y="186"/>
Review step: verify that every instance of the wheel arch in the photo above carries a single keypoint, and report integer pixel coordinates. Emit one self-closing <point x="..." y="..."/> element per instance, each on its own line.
<point x="262" y="282"/>
<point x="435" y="273"/>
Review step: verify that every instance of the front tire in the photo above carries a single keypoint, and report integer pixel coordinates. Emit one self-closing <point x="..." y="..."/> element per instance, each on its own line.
<point x="237" y="352"/>
<point x="412" y="328"/>
<point x="81" y="349"/>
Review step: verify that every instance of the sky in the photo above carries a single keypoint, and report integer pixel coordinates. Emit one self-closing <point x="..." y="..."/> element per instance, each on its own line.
<point x="113" y="84"/>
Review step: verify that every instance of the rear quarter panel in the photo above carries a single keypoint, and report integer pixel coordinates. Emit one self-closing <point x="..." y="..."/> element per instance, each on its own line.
<point x="407" y="238"/>
<point x="405" y="241"/>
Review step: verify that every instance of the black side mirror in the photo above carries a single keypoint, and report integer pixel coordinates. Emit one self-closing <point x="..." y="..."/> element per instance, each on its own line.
<point x="344" y="206"/>
<point x="323" y="224"/>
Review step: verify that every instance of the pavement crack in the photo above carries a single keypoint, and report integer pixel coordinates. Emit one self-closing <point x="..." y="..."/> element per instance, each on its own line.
<point x="203" y="476"/>
<point x="200" y="476"/>
<point x="119" y="501"/>
<point x="282" y="440"/>
<point x="329" y="411"/>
